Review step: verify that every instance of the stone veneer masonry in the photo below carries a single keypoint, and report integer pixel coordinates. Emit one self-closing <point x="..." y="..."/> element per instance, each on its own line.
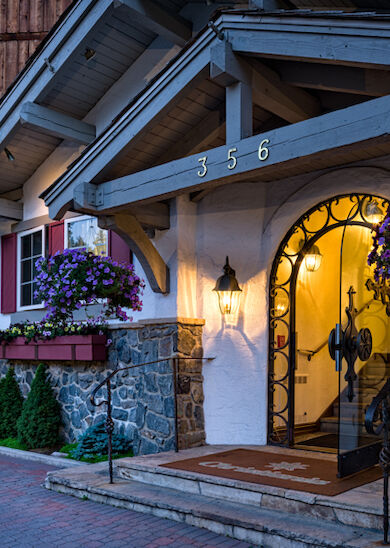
<point x="143" y="398"/>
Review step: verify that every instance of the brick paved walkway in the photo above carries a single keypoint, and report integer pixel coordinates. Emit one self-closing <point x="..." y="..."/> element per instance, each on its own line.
<point x="31" y="516"/>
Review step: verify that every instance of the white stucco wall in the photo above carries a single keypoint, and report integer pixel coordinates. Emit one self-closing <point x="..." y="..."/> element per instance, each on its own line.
<point x="230" y="222"/>
<point x="44" y="176"/>
<point x="246" y="221"/>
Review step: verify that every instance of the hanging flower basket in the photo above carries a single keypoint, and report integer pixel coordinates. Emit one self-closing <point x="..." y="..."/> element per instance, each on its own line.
<point x="379" y="256"/>
<point x="63" y="348"/>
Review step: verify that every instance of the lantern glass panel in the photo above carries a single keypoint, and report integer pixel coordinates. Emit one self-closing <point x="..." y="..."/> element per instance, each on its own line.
<point x="229" y="301"/>
<point x="313" y="261"/>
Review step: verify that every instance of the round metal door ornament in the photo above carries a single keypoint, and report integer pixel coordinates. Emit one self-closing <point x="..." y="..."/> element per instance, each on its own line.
<point x="364" y="344"/>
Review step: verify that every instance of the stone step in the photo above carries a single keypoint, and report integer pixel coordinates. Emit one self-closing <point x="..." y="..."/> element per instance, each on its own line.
<point x="330" y="424"/>
<point x="365" y="510"/>
<point x="351" y="410"/>
<point x="268" y="527"/>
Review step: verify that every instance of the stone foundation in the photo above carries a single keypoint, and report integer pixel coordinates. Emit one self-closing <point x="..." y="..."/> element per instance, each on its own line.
<point x="143" y="399"/>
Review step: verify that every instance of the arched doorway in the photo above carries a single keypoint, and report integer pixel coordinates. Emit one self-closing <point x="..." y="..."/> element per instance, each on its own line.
<point x="308" y="405"/>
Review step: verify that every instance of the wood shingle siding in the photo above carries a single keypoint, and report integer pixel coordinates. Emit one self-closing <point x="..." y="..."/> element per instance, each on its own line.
<point x="23" y="24"/>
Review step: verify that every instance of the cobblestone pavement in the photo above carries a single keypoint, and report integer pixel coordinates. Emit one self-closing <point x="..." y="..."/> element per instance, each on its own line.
<point x="33" y="517"/>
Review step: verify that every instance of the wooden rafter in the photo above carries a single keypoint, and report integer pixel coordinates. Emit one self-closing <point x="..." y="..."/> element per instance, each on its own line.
<point x="159" y="20"/>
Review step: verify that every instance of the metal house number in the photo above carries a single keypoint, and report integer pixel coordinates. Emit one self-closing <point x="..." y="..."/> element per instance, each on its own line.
<point x="262" y="153"/>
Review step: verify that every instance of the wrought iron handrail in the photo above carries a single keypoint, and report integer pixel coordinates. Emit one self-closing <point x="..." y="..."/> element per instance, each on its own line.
<point x="377" y="421"/>
<point x="109" y="421"/>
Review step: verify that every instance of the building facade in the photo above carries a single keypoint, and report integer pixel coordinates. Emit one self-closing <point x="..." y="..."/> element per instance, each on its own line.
<point x="193" y="132"/>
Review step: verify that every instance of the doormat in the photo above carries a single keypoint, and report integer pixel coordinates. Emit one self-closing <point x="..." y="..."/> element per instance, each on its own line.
<point x="313" y="475"/>
<point x="331" y="441"/>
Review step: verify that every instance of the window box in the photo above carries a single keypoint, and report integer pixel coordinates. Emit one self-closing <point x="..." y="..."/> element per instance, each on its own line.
<point x="67" y="347"/>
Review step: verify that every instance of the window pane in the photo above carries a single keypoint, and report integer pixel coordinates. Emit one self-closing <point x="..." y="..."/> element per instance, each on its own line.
<point x="26" y="295"/>
<point x="99" y="244"/>
<point x="77" y="234"/>
<point x="26" y="270"/>
<point x="35" y="301"/>
<point x="30" y="251"/>
<point x="35" y="271"/>
<point x="37" y="243"/>
<point x="26" y="246"/>
<point x="87" y="235"/>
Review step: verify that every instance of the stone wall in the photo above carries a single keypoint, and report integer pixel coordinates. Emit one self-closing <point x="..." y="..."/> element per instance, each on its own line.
<point x="143" y="398"/>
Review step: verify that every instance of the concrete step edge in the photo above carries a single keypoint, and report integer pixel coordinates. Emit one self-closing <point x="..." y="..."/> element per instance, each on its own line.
<point x="60" y="462"/>
<point x="223" y="518"/>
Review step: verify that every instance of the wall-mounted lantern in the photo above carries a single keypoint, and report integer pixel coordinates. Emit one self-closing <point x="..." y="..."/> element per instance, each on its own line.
<point x="313" y="259"/>
<point x="373" y="212"/>
<point x="228" y="290"/>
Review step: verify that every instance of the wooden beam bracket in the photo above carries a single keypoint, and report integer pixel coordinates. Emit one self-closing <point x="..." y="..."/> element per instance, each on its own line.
<point x="51" y="122"/>
<point x="89" y="198"/>
<point x="130" y="230"/>
<point x="226" y="68"/>
<point x="11" y="210"/>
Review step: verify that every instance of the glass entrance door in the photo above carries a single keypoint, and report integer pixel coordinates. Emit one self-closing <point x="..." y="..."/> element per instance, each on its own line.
<point x="362" y="362"/>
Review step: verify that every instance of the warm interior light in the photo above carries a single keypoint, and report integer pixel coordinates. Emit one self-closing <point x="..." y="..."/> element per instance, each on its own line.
<point x="313" y="259"/>
<point x="281" y="309"/>
<point x="228" y="290"/>
<point x="229" y="301"/>
<point x="373" y="212"/>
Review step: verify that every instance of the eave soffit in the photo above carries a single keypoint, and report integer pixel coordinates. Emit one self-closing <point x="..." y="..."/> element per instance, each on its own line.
<point x="230" y="24"/>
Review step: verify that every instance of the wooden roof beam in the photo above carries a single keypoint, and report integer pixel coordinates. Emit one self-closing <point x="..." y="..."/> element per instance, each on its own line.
<point x="173" y="27"/>
<point x="268" y="91"/>
<point x="374" y="82"/>
<point x="74" y="33"/>
<point x="344" y="41"/>
<point x="11" y="210"/>
<point x="328" y="138"/>
<point x="132" y="233"/>
<point x="51" y="122"/>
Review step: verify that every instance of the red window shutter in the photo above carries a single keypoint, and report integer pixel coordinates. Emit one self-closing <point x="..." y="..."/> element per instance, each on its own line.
<point x="8" y="273"/>
<point x="118" y="248"/>
<point x="56" y="237"/>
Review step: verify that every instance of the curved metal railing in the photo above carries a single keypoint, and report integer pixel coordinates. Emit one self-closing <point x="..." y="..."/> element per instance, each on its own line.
<point x="377" y="422"/>
<point x="173" y="360"/>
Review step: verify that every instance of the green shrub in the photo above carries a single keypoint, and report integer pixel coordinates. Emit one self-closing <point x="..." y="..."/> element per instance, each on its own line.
<point x="14" y="443"/>
<point x="11" y="401"/>
<point x="40" y="419"/>
<point x="94" y="443"/>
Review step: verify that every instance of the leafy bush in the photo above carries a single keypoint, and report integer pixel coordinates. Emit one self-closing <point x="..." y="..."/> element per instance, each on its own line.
<point x="94" y="443"/>
<point x="11" y="401"/>
<point x="40" y="419"/>
<point x="14" y="443"/>
<point x="68" y="281"/>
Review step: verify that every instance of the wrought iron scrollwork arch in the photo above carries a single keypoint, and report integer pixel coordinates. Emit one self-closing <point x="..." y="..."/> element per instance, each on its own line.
<point x="328" y="215"/>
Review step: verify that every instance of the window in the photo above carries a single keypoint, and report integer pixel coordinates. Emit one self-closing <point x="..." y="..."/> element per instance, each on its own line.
<point x="31" y="245"/>
<point x="84" y="233"/>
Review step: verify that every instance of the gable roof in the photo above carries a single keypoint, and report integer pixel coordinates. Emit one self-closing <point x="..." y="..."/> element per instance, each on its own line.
<point x="267" y="35"/>
<point x="60" y="77"/>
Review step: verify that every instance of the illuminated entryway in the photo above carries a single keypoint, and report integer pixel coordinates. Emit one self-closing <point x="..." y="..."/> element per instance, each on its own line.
<point x="308" y="404"/>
